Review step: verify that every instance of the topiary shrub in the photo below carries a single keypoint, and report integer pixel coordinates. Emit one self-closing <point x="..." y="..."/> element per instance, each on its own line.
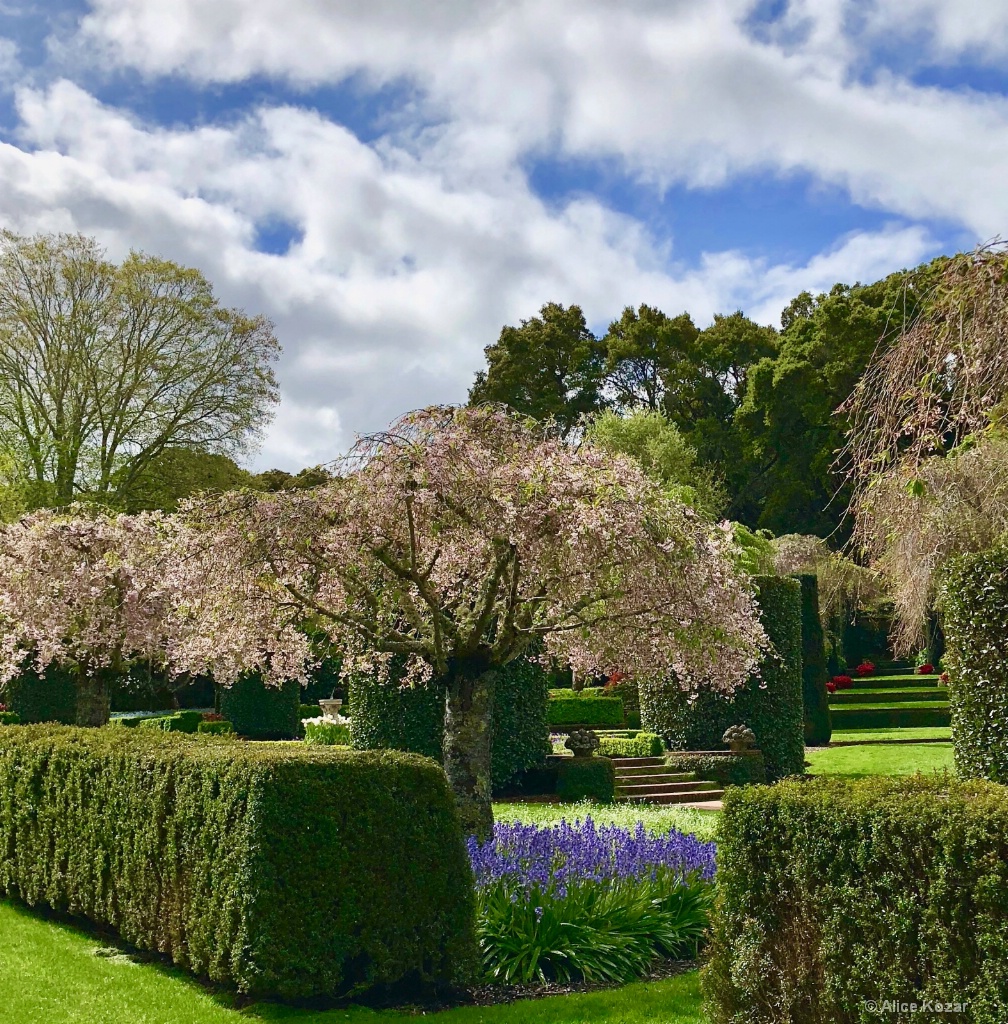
<point x="279" y="868"/>
<point x="770" y="703"/>
<point x="834" y="892"/>
<point x="51" y="697"/>
<point x="715" y="766"/>
<point x="309" y="711"/>
<point x="644" y="744"/>
<point x="568" y="707"/>
<point x="818" y="727"/>
<point x="974" y="602"/>
<point x="215" y="728"/>
<point x="585" y="778"/>
<point x="9" y="718"/>
<point x="387" y="715"/>
<point x="261" y="712"/>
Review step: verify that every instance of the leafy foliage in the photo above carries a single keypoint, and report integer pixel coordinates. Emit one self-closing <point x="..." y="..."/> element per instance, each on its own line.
<point x="51" y="697"/>
<point x="975" y="606"/>
<point x="326" y="732"/>
<point x="211" y="851"/>
<point x="571" y="707"/>
<point x="831" y="893"/>
<point x="770" y="703"/>
<point x="727" y="768"/>
<point x="818" y="726"/>
<point x="262" y="712"/>
<point x="644" y="744"/>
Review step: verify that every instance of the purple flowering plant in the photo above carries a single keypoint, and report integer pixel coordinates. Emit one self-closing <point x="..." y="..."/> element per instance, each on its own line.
<point x="581" y="901"/>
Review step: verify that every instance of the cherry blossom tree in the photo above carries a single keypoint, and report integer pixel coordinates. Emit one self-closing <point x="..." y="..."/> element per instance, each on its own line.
<point x="456" y="541"/>
<point x="84" y="590"/>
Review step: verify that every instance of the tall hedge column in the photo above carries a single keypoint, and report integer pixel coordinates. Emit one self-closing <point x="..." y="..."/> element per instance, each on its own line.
<point x="975" y="607"/>
<point x="818" y="723"/>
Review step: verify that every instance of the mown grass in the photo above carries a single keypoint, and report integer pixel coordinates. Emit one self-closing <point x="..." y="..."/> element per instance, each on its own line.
<point x="920" y="732"/>
<point x="51" y="972"/>
<point x="869" y="759"/>
<point x="657" y="818"/>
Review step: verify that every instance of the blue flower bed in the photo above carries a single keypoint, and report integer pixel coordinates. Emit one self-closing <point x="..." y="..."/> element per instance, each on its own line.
<point x="588" y="902"/>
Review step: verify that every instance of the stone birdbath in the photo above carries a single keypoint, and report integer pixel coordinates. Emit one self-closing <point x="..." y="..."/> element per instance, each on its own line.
<point x="331" y="708"/>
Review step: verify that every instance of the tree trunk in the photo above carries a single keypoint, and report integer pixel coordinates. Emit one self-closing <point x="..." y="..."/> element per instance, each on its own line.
<point x="468" y="732"/>
<point x="92" y="697"/>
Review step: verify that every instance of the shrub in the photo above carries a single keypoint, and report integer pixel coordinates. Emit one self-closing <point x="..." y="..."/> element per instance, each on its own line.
<point x="279" y="868"/>
<point x="178" y="721"/>
<point x="770" y="703"/>
<point x="582" y="902"/>
<point x="866" y="668"/>
<point x="48" y="698"/>
<point x="261" y="712"/>
<point x="309" y="711"/>
<point x="926" y="669"/>
<point x="842" y="682"/>
<point x="568" y="707"/>
<point x="818" y="727"/>
<point x="9" y="718"/>
<point x="387" y="715"/>
<point x="975" y="606"/>
<point x="326" y="732"/>
<point x="831" y="687"/>
<point x="832" y="892"/>
<point x="585" y="778"/>
<point x="716" y="766"/>
<point x="215" y="728"/>
<point x="644" y="744"/>
<point x="629" y="692"/>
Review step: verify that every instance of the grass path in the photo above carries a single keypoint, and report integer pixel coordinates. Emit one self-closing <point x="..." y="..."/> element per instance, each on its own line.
<point x="50" y="974"/>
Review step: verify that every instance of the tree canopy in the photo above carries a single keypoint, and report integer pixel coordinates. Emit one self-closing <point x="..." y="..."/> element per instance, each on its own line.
<point x="104" y="366"/>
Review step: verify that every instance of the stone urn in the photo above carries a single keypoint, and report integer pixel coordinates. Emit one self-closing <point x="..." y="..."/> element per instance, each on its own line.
<point x="330" y="708"/>
<point x="582" y="742"/>
<point x="739" y="738"/>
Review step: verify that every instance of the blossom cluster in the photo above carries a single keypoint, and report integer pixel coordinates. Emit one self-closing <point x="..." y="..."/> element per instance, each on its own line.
<point x="538" y="861"/>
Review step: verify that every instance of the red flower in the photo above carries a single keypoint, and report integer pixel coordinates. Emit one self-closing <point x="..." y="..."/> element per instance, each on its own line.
<point x="944" y="678"/>
<point x="842" y="682"/>
<point x="616" y="677"/>
<point x="926" y="669"/>
<point x="831" y="687"/>
<point x="866" y="668"/>
<point x="212" y="716"/>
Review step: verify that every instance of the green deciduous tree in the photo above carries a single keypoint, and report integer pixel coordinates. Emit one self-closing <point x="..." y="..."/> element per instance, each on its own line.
<point x="549" y="367"/>
<point x="104" y="366"/>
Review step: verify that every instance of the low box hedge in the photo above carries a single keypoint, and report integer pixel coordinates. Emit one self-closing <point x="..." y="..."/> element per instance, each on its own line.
<point x="720" y="766"/>
<point x="178" y="721"/>
<point x="568" y="707"/>
<point x="279" y="868"/>
<point x="644" y="744"/>
<point x="832" y="893"/>
<point x="585" y="778"/>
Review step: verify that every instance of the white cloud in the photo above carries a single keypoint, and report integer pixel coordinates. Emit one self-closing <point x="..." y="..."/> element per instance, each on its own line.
<point x="405" y="269"/>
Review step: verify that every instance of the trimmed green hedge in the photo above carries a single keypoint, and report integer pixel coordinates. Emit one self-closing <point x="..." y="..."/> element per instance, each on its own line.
<point x="727" y="768"/>
<point x="279" y="868"/>
<point x="832" y="892"/>
<point x="568" y="707"/>
<point x="975" y="606"/>
<point x="179" y="721"/>
<point x="818" y="727"/>
<point x="387" y="715"/>
<point x="261" y="712"/>
<point x="628" y="691"/>
<point x="51" y="698"/>
<point x="644" y="744"/>
<point x="215" y="728"/>
<point x="309" y="711"/>
<point x="770" y="703"/>
<point x="585" y="778"/>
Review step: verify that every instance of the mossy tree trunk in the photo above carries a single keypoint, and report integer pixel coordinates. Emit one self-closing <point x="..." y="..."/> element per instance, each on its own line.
<point x="467" y="743"/>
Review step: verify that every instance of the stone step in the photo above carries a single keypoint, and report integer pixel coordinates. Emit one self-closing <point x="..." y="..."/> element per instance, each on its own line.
<point x="647" y="769"/>
<point x="641" y="780"/>
<point x="691" y="796"/>
<point x="665" y="787"/>
<point x="637" y="762"/>
<point x="930" y="694"/>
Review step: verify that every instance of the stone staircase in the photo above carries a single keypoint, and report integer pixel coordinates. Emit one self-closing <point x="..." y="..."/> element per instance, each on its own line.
<point x="648" y="780"/>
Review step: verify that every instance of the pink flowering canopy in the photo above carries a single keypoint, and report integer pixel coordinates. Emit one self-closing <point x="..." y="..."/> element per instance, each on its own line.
<point x="470" y="535"/>
<point x="82" y="588"/>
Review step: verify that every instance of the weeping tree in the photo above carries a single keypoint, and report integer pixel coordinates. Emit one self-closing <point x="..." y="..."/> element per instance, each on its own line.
<point x="87" y="592"/>
<point x="456" y="541"/>
<point x="926" y="448"/>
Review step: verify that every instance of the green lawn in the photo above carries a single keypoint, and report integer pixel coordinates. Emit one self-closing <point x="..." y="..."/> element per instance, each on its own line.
<point x="903" y="705"/>
<point x="896" y="759"/>
<point x="656" y="818"/>
<point x="50" y="973"/>
<point x="921" y="732"/>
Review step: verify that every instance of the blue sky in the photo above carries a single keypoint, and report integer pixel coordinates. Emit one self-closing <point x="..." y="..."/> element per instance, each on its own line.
<point x="391" y="182"/>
